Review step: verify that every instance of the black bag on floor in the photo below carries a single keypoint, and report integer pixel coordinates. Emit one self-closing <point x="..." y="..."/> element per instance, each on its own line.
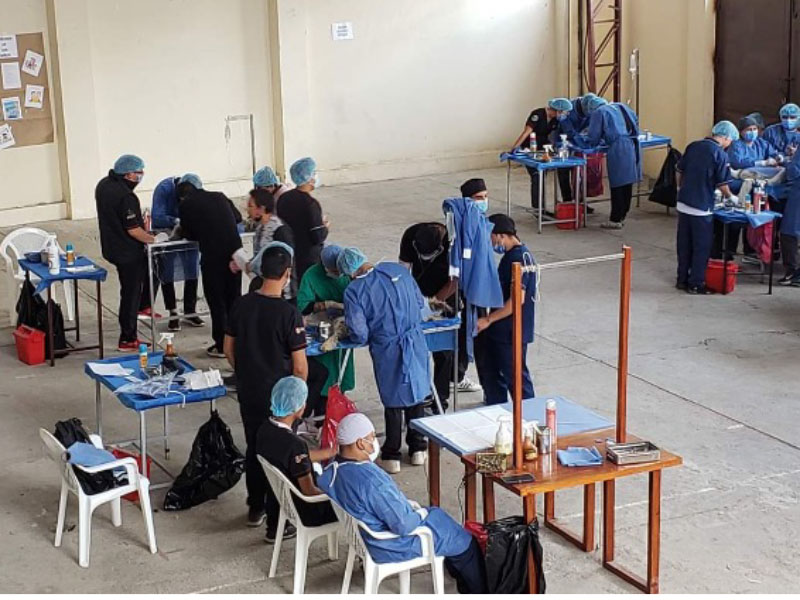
<point x="665" y="191"/>
<point x="70" y="431"/>
<point x="32" y="311"/>
<point x="507" y="547"/>
<point x="215" y="466"/>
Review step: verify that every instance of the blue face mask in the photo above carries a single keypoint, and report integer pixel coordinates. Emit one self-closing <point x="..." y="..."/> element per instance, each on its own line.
<point x="750" y="135"/>
<point x="789" y="124"/>
<point x="483" y="205"/>
<point x="499" y="249"/>
<point x="562" y="116"/>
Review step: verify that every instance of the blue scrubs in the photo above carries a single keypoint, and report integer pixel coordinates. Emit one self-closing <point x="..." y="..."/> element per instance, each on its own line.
<point x="575" y="122"/>
<point x="703" y="167"/>
<point x="780" y="138"/>
<point x="744" y="155"/>
<point x="608" y="126"/>
<point x="494" y="351"/>
<point x="790" y="223"/>
<point x="175" y="266"/>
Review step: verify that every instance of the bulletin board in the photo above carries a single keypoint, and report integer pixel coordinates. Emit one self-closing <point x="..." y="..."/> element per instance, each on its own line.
<point x="24" y="92"/>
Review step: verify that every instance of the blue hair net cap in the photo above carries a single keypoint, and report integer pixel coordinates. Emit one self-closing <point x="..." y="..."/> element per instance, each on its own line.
<point x="585" y="100"/>
<point x="302" y="170"/>
<point x="595" y="102"/>
<point x="349" y="261"/>
<point x="560" y="104"/>
<point x="193" y="179"/>
<point x="790" y="110"/>
<point x="726" y="129"/>
<point x="128" y="163"/>
<point x="329" y="256"/>
<point x="288" y="396"/>
<point x="265" y="177"/>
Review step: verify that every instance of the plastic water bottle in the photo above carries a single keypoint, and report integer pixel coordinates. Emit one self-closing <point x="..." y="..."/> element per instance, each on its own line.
<point x="143" y="356"/>
<point x="550" y="420"/>
<point x="53" y="259"/>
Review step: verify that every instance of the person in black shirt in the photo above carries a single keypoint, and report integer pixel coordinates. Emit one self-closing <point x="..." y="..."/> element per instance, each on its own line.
<point x="210" y="219"/>
<point x="543" y="123"/>
<point x="286" y="451"/>
<point x="265" y="341"/>
<point x="300" y="211"/>
<point x="122" y="239"/>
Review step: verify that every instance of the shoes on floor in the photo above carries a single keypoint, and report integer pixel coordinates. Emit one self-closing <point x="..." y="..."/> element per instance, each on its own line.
<point x="682" y="285"/>
<point x="786" y="279"/>
<point x="699" y="290"/>
<point x="194" y="321"/>
<point x="215" y="352"/>
<point x="147" y="313"/>
<point x="229" y="381"/>
<point x="174" y="322"/>
<point x="256" y="517"/>
<point x="589" y="210"/>
<point x="390" y="466"/>
<point x="418" y="459"/>
<point x="130" y="346"/>
<point x="467" y="385"/>
<point x="611" y="225"/>
<point x="289" y="532"/>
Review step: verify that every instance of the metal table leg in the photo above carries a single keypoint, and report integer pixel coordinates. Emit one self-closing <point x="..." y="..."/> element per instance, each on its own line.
<point x="143" y="440"/>
<point x="98" y="409"/>
<point x="77" y="312"/>
<point x="50" y="325"/>
<point x="100" y="344"/>
<point x="541" y="197"/>
<point x="772" y="255"/>
<point x="166" y="432"/>
<point x="724" y="258"/>
<point x="152" y="297"/>
<point x="455" y="364"/>
<point x="508" y="188"/>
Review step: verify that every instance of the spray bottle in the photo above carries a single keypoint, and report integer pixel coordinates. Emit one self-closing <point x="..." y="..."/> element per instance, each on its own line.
<point x="170" y="360"/>
<point x="53" y="258"/>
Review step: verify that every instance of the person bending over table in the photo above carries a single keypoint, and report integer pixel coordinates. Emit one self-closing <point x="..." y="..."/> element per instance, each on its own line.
<point x="289" y="453"/>
<point x="702" y="169"/>
<point x="268" y="228"/>
<point x="576" y="122"/>
<point x="494" y="354"/>
<point x="543" y="122"/>
<point x="365" y="492"/>
<point x="383" y="307"/>
<point x="265" y="341"/>
<point x="265" y="178"/>
<point x="122" y="239"/>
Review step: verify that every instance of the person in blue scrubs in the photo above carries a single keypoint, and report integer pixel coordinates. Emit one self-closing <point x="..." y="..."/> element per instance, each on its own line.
<point x="790" y="226"/>
<point x="785" y="136"/>
<point x="575" y="123"/>
<point x="493" y="347"/>
<point x="365" y="492"/>
<point x="383" y="307"/>
<point x="617" y="127"/>
<point x="702" y="169"/>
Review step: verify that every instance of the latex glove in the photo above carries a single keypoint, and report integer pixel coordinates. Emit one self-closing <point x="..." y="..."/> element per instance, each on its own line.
<point x="733" y="199"/>
<point x="161" y="238"/>
<point x="435" y="304"/>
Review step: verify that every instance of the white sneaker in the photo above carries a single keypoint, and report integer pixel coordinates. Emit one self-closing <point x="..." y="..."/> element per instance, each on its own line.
<point x="467" y="385"/>
<point x="418" y="459"/>
<point x="390" y="466"/>
<point x="611" y="225"/>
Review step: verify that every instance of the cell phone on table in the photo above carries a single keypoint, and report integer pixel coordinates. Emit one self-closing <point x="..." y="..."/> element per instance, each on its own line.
<point x="515" y="479"/>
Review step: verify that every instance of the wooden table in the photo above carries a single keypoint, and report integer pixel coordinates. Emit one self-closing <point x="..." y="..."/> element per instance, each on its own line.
<point x="550" y="477"/>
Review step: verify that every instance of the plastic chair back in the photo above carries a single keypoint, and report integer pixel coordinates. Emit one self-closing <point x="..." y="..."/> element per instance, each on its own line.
<point x="283" y="489"/>
<point x="18" y="242"/>
<point x="56" y="452"/>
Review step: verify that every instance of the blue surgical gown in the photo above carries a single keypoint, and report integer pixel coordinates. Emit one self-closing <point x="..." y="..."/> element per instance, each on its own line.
<point x="790" y="224"/>
<point x="780" y="138"/>
<point x="384" y="309"/>
<point x="369" y="494"/>
<point x="575" y="122"/>
<point x="608" y="126"/>
<point x="177" y="265"/>
<point x="744" y="156"/>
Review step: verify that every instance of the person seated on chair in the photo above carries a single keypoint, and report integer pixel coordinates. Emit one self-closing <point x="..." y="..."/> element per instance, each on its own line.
<point x="368" y="493"/>
<point x="290" y="454"/>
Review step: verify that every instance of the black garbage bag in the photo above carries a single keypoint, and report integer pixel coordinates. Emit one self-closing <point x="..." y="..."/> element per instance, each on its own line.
<point x="215" y="466"/>
<point x="665" y="191"/>
<point x="32" y="311"/>
<point x="70" y="431"/>
<point x="507" y="556"/>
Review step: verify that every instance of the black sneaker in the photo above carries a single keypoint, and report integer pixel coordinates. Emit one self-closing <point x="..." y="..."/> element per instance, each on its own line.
<point x="215" y="352"/>
<point x="589" y="210"/>
<point x="230" y="382"/>
<point x="255" y="517"/>
<point x="786" y="279"/>
<point x="174" y="322"/>
<point x="699" y="290"/>
<point x="795" y="282"/>
<point x="194" y="321"/>
<point x="682" y="285"/>
<point x="289" y="532"/>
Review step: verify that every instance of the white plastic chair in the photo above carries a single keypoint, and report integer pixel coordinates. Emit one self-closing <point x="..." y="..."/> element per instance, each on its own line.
<point x="13" y="248"/>
<point x="87" y="503"/>
<point x="284" y="490"/>
<point x="374" y="572"/>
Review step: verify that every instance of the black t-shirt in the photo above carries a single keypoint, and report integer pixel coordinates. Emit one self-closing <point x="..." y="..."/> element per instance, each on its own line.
<point x="118" y="211"/>
<point x="210" y="218"/>
<point x="541" y="126"/>
<point x="300" y="211"/>
<point x="289" y="453"/>
<point x="267" y="331"/>
<point x="433" y="275"/>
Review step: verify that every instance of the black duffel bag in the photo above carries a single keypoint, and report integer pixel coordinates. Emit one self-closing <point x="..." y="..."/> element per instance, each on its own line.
<point x="32" y="311"/>
<point x="70" y="431"/>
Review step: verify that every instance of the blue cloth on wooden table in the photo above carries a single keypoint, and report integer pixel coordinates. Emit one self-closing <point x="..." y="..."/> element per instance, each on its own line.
<point x="42" y="271"/>
<point x="576" y="456"/>
<point x="751" y="219"/>
<point x="87" y="455"/>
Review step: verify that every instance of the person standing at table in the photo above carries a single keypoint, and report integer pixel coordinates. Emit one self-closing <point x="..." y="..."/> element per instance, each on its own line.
<point x="576" y="122"/>
<point x="265" y="178"/>
<point x="543" y="122"/>
<point x="383" y="307"/>
<point x="208" y="218"/>
<point x="702" y="169"/>
<point x="165" y="216"/>
<point x="785" y="136"/>
<point x="790" y="225"/>
<point x="615" y="126"/>
<point x="301" y="211"/>
<point x="494" y="352"/>
<point x="267" y="228"/>
<point x="122" y="239"/>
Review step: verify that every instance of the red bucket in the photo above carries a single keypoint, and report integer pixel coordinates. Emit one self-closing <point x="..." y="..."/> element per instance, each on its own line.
<point x="566" y="210"/>
<point x="30" y="345"/>
<point x="714" y="277"/>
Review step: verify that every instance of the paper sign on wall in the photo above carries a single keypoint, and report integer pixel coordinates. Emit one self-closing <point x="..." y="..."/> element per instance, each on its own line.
<point x="6" y="137"/>
<point x="32" y="63"/>
<point x="342" y="31"/>
<point x="8" y="46"/>
<point x="34" y="96"/>
<point x="11" y="77"/>
<point x="12" y="110"/>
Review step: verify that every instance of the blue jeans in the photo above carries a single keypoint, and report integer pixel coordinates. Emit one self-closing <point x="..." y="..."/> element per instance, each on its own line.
<point x="494" y="360"/>
<point x="695" y="235"/>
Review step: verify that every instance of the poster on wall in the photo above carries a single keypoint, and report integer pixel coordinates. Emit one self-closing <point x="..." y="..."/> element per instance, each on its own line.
<point x="11" y="77"/>
<point x="12" y="111"/>
<point x="6" y="137"/>
<point x="8" y="46"/>
<point x="32" y="63"/>
<point x="34" y="96"/>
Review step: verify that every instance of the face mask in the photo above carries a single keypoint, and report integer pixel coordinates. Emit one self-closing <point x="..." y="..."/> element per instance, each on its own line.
<point x="750" y="135"/>
<point x="376" y="449"/>
<point x="499" y="249"/>
<point x="562" y="116"/>
<point x="483" y="205"/>
<point x="789" y="124"/>
<point x="317" y="180"/>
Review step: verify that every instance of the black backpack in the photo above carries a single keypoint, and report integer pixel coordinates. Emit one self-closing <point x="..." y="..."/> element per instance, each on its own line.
<point x="70" y="431"/>
<point x="665" y="191"/>
<point x="32" y="311"/>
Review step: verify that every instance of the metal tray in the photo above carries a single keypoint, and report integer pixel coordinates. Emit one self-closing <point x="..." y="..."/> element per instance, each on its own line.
<point x="632" y="453"/>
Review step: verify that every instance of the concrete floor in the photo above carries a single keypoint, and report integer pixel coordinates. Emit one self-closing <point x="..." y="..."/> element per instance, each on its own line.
<point x="713" y="379"/>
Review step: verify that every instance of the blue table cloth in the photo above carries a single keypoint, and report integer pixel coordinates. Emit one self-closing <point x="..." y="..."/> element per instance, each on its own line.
<point x="751" y="219"/>
<point x="139" y="402"/>
<point x="42" y="271"/>
<point x="526" y="158"/>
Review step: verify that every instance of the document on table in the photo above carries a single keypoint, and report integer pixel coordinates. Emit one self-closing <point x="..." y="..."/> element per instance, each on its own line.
<point x="109" y="370"/>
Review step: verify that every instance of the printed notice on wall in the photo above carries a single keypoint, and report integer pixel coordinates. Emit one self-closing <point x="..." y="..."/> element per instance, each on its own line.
<point x="8" y="46"/>
<point x="32" y="63"/>
<point x="34" y="96"/>
<point x="11" y="77"/>
<point x="6" y="137"/>
<point x="342" y="31"/>
<point x="12" y="109"/>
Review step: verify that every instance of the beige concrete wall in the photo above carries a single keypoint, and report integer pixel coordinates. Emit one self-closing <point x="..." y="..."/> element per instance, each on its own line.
<point x="29" y="176"/>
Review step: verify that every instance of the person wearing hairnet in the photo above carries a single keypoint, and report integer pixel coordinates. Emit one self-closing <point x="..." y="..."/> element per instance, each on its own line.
<point x="265" y="178"/>
<point x="790" y="225"/>
<point x="365" y="492"/>
<point x="265" y="341"/>
<point x="122" y="240"/>
<point x="615" y="126"/>
<point x="211" y="220"/>
<point x="702" y="169"/>
<point x="301" y="211"/>
<point x="576" y="123"/>
<point x="383" y="307"/>
<point x="785" y="136"/>
<point x="322" y="290"/>
<point x="543" y="123"/>
<point x="289" y="453"/>
<point x="267" y="228"/>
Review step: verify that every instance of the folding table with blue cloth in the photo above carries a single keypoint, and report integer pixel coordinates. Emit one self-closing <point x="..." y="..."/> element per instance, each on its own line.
<point x="82" y="269"/>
